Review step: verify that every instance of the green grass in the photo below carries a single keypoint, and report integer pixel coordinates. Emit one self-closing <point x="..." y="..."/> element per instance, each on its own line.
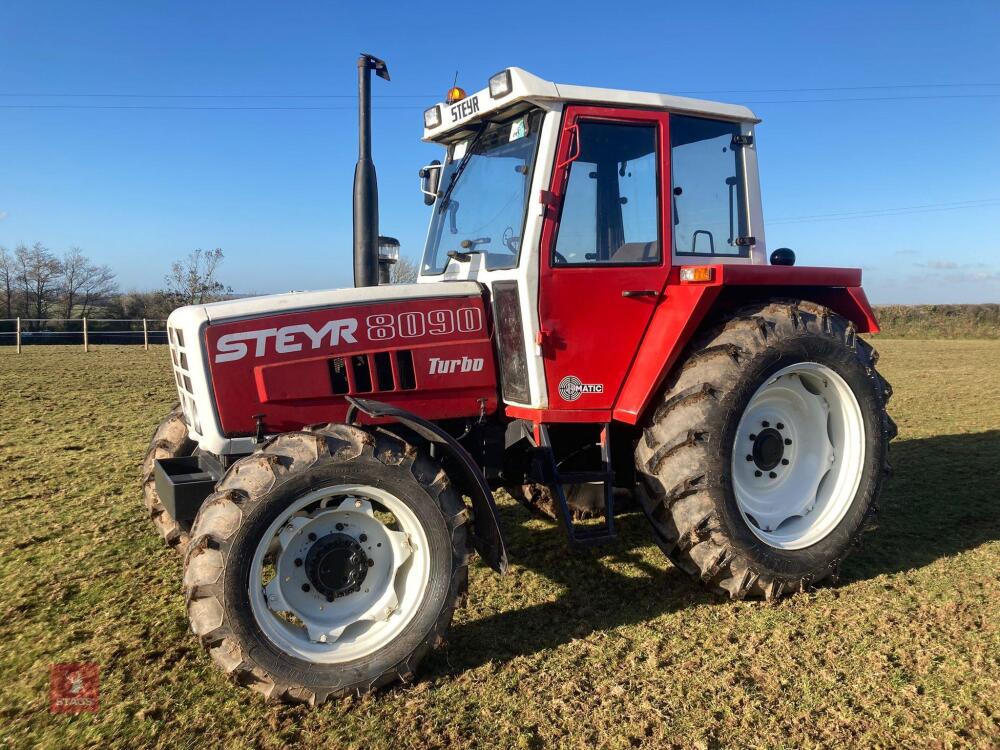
<point x="607" y="648"/>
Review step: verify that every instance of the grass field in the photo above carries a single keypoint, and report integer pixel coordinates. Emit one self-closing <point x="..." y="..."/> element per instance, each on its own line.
<point x="607" y="648"/>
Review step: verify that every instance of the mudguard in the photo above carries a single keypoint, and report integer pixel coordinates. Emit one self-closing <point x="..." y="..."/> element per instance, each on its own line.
<point x="486" y="537"/>
<point x="685" y="306"/>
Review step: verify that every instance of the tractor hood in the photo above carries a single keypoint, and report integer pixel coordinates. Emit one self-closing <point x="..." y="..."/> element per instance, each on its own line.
<point x="277" y="363"/>
<point x="294" y="301"/>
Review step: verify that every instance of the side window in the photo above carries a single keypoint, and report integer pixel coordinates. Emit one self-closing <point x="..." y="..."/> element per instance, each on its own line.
<point x="707" y="191"/>
<point x="609" y="213"/>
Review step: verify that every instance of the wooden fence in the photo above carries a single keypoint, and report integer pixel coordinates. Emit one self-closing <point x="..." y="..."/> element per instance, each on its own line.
<point x="85" y="331"/>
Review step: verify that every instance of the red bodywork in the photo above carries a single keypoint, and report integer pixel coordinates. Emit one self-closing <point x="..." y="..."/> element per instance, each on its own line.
<point x="626" y="344"/>
<point x="295" y="368"/>
<point x="677" y="312"/>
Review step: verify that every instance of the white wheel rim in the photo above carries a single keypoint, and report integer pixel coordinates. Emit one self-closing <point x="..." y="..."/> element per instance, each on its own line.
<point x="792" y="493"/>
<point x="334" y="523"/>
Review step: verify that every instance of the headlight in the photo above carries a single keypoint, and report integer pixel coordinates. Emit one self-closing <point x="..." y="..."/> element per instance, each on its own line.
<point x="500" y="84"/>
<point x="432" y="117"/>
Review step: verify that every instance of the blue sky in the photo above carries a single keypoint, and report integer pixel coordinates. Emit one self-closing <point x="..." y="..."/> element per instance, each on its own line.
<point x="139" y="187"/>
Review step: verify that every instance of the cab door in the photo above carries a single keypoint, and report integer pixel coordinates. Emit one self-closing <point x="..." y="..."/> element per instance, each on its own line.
<point x="605" y="251"/>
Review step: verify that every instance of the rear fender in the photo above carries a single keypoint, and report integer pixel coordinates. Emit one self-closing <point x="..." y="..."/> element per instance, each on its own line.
<point x="686" y="307"/>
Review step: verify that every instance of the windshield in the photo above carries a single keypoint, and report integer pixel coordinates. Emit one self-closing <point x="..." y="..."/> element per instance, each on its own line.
<point x="484" y="194"/>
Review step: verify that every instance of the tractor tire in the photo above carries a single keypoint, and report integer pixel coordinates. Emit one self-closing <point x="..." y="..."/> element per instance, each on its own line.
<point x="312" y="507"/>
<point x="731" y="461"/>
<point x="170" y="440"/>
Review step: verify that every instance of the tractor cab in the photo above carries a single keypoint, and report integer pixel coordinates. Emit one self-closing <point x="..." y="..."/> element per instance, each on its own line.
<point x="577" y="207"/>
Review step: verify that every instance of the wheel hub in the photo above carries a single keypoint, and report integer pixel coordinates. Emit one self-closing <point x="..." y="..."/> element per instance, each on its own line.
<point x="336" y="565"/>
<point x="798" y="457"/>
<point x="768" y="449"/>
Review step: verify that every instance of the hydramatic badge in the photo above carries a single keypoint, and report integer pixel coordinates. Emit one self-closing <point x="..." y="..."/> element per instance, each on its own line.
<point x="570" y="388"/>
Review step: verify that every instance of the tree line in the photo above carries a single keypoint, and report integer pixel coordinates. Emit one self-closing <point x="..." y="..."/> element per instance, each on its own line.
<point x="36" y="283"/>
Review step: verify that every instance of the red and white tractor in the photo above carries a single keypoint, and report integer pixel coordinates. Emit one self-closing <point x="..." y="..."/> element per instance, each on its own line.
<point x="596" y="320"/>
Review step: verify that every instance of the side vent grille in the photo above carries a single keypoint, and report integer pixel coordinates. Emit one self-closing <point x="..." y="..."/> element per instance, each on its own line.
<point x="362" y="373"/>
<point x="404" y="359"/>
<point x="338" y="376"/>
<point x="380" y="372"/>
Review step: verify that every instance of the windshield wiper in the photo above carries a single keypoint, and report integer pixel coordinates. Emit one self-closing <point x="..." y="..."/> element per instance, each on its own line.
<point x="466" y="157"/>
<point x="469" y="249"/>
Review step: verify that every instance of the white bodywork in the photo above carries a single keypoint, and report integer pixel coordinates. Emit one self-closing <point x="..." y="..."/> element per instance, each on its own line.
<point x="553" y="97"/>
<point x="190" y="361"/>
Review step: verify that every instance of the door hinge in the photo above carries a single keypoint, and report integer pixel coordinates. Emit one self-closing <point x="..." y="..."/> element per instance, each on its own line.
<point x="743" y="139"/>
<point x="746" y="241"/>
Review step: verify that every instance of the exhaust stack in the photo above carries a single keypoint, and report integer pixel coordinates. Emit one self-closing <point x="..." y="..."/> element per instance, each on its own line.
<point x="365" y="184"/>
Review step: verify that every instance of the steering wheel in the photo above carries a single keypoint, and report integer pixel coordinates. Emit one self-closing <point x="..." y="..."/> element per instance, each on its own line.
<point x="509" y="239"/>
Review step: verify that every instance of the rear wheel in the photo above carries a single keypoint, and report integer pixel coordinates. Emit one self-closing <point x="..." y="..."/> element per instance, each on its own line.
<point x="762" y="464"/>
<point x="170" y="440"/>
<point x="327" y="563"/>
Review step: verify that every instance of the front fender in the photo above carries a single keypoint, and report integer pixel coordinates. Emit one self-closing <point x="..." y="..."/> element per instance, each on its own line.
<point x="486" y="535"/>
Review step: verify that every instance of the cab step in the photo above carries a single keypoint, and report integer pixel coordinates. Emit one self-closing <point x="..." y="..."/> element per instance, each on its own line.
<point x="583" y="536"/>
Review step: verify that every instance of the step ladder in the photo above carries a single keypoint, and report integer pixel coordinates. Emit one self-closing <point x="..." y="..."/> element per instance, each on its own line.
<point x="585" y="535"/>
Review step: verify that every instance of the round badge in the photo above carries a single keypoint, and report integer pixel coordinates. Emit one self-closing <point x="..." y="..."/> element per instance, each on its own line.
<point x="570" y="388"/>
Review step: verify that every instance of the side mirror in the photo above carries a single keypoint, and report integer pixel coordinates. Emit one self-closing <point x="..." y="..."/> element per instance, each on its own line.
<point x="783" y="256"/>
<point x="430" y="178"/>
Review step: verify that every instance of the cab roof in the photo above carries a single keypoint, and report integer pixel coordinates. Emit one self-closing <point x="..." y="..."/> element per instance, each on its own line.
<point x="529" y="89"/>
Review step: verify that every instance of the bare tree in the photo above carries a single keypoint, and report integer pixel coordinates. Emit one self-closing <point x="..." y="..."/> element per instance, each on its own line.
<point x="84" y="284"/>
<point x="192" y="281"/>
<point x="404" y="271"/>
<point x="7" y="279"/>
<point x="38" y="273"/>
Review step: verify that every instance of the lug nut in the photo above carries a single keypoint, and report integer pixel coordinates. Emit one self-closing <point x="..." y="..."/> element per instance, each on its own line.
<point x="363" y="537"/>
<point x="788" y="441"/>
<point x="371" y="563"/>
<point x="765" y="423"/>
<point x="312" y="537"/>
<point x="298" y="562"/>
<point x="784" y="462"/>
<point x="757" y="473"/>
<point x="772" y="475"/>
<point x="305" y="587"/>
<point x="339" y="527"/>
<point x="749" y="457"/>
<point x="329" y="597"/>
<point x="753" y="436"/>
<point x="780" y="426"/>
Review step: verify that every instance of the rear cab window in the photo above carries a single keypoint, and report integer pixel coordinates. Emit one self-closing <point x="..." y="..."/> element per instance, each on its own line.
<point x="707" y="188"/>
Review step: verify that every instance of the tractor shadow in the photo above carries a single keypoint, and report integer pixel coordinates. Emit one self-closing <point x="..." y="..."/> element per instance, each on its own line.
<point x="943" y="499"/>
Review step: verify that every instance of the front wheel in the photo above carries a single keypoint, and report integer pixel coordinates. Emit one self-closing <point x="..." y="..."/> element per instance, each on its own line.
<point x="327" y="564"/>
<point x="763" y="462"/>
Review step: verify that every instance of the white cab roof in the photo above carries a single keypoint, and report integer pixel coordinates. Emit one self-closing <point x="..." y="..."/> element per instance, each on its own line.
<point x="531" y="88"/>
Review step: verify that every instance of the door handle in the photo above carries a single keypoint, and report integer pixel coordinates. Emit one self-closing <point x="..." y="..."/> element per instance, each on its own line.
<point x="640" y="293"/>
